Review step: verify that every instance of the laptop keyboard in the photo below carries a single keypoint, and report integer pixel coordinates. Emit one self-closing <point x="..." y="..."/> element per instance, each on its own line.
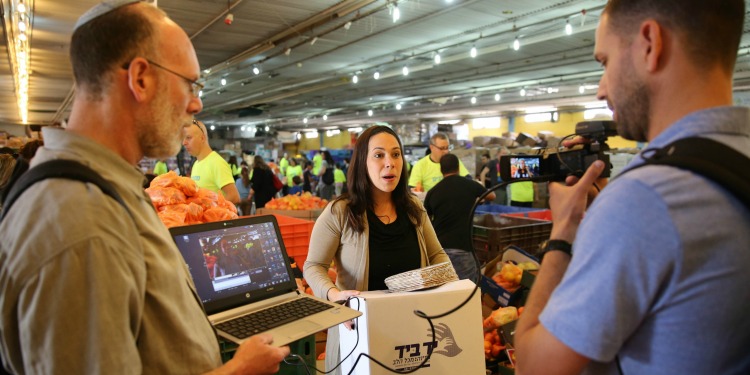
<point x="263" y="320"/>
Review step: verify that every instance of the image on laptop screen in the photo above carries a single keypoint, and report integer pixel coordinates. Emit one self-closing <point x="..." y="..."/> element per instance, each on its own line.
<point x="234" y="260"/>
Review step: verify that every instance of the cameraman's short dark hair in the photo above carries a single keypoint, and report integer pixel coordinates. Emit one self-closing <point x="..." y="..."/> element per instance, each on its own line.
<point x="109" y="41"/>
<point x="449" y="164"/>
<point x="711" y="30"/>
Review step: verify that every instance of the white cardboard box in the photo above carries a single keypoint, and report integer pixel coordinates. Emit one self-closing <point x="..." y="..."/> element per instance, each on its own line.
<point x="390" y="332"/>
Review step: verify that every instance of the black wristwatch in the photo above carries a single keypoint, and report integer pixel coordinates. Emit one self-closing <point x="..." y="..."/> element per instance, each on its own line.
<point x="555" y="245"/>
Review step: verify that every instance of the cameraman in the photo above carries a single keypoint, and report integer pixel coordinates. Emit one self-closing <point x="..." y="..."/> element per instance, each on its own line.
<point x="653" y="286"/>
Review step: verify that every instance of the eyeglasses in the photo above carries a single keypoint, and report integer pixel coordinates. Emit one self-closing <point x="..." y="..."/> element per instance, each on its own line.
<point x="194" y="85"/>
<point x="195" y="122"/>
<point x="444" y="148"/>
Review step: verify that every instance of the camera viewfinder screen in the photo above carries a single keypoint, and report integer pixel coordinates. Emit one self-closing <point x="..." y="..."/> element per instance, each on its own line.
<point x="524" y="167"/>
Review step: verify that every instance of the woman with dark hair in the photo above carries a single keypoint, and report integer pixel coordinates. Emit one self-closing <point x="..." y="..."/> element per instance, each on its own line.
<point x="307" y="177"/>
<point x="262" y="182"/>
<point x="244" y="187"/>
<point x="375" y="230"/>
<point x="326" y="183"/>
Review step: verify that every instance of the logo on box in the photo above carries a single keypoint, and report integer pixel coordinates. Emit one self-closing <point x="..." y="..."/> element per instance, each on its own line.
<point x="412" y="355"/>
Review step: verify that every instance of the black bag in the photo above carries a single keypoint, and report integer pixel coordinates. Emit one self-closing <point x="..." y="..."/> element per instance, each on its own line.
<point x="59" y="168"/>
<point x="328" y="176"/>
<point x="711" y="159"/>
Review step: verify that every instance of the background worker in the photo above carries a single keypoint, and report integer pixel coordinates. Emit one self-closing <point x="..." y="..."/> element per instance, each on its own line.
<point x="210" y="170"/>
<point x="448" y="205"/>
<point x="426" y="172"/>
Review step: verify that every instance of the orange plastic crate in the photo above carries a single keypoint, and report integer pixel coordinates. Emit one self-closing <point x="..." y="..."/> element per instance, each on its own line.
<point x="296" y="236"/>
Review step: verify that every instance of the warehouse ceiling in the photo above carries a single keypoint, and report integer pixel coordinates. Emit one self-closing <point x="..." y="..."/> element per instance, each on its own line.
<point x="308" y="53"/>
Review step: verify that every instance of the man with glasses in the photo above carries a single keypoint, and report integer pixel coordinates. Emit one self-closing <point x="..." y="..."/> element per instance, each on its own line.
<point x="210" y="171"/>
<point x="426" y="172"/>
<point x="94" y="286"/>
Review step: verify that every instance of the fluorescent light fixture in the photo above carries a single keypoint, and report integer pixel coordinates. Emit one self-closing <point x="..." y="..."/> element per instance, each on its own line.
<point x="473" y="100"/>
<point x="581" y="89"/>
<point x="522" y="92"/>
<point x="398" y="106"/>
<point x="325" y="117"/>
<point x="355" y="79"/>
<point x="516" y="44"/>
<point x="596" y="104"/>
<point x="333" y="132"/>
<point x="497" y="97"/>
<point x="355" y="130"/>
<point x="213" y="128"/>
<point x="376" y="75"/>
<point x="256" y="70"/>
<point x="568" y="28"/>
<point x="599" y="113"/>
<point x="223" y="81"/>
<point x="405" y="71"/>
<point x="437" y="59"/>
<point x="304" y="120"/>
<point x="473" y="52"/>
<point x="369" y="112"/>
<point x="540" y="109"/>
<point x="538" y="117"/>
<point x="396" y="13"/>
<point x="312" y="134"/>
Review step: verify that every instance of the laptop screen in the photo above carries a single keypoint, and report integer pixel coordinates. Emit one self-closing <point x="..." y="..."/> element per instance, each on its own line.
<point x="235" y="262"/>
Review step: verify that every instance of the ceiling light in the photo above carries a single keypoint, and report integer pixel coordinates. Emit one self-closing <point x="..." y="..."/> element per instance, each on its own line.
<point x="355" y="130"/>
<point x="267" y="128"/>
<point x="21" y="26"/>
<point x="376" y="75"/>
<point x="325" y="117"/>
<point x="288" y="51"/>
<point x="369" y="112"/>
<point x="256" y="70"/>
<point x="398" y="106"/>
<point x="348" y="25"/>
<point x="523" y="92"/>
<point x="405" y="71"/>
<point x="581" y="89"/>
<point x="304" y="120"/>
<point x="242" y="129"/>
<point x="355" y="79"/>
<point x="568" y="28"/>
<point x="437" y="59"/>
<point x="312" y="134"/>
<point x="516" y="44"/>
<point x="473" y="52"/>
<point x="22" y="37"/>
<point x="314" y="39"/>
<point x="213" y="127"/>
<point x="473" y="100"/>
<point x="497" y="97"/>
<point x="200" y="93"/>
<point x="396" y="13"/>
<point x="21" y="8"/>
<point x="223" y="82"/>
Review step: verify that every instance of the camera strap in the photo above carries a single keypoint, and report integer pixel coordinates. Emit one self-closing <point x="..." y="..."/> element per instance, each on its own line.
<point x="711" y="159"/>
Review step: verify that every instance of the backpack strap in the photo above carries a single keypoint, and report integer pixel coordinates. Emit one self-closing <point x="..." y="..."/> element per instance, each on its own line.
<point x="59" y="168"/>
<point x="711" y="159"/>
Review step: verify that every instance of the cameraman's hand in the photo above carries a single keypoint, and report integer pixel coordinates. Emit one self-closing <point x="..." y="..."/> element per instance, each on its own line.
<point x="256" y="356"/>
<point x="601" y="182"/>
<point x="568" y="203"/>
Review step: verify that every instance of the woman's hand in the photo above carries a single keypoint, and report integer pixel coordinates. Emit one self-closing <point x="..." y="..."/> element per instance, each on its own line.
<point x="342" y="295"/>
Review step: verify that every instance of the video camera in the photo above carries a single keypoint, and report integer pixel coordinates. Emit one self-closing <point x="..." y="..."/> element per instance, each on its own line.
<point x="556" y="166"/>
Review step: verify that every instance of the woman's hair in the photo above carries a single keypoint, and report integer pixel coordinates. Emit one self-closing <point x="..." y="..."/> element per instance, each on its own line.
<point x="29" y="149"/>
<point x="259" y="163"/>
<point x="360" y="187"/>
<point x="328" y="158"/>
<point x="245" y="176"/>
<point x="233" y="160"/>
<point x="7" y="164"/>
<point x="293" y="161"/>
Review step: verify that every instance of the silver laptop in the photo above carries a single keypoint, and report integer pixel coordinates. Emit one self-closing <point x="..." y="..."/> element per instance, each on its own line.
<point x="244" y="278"/>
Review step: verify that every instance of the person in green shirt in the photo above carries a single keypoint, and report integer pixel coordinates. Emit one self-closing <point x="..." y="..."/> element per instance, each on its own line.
<point x="210" y="171"/>
<point x="236" y="171"/>
<point x="317" y="162"/>
<point x="426" y="172"/>
<point x="339" y="179"/>
<point x="293" y="169"/>
<point x="160" y="167"/>
<point x="284" y="164"/>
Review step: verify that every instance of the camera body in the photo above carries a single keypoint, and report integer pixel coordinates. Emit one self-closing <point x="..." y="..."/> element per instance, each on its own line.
<point x="556" y="166"/>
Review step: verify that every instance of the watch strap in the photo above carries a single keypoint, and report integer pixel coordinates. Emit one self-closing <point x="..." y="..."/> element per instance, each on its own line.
<point x="555" y="245"/>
